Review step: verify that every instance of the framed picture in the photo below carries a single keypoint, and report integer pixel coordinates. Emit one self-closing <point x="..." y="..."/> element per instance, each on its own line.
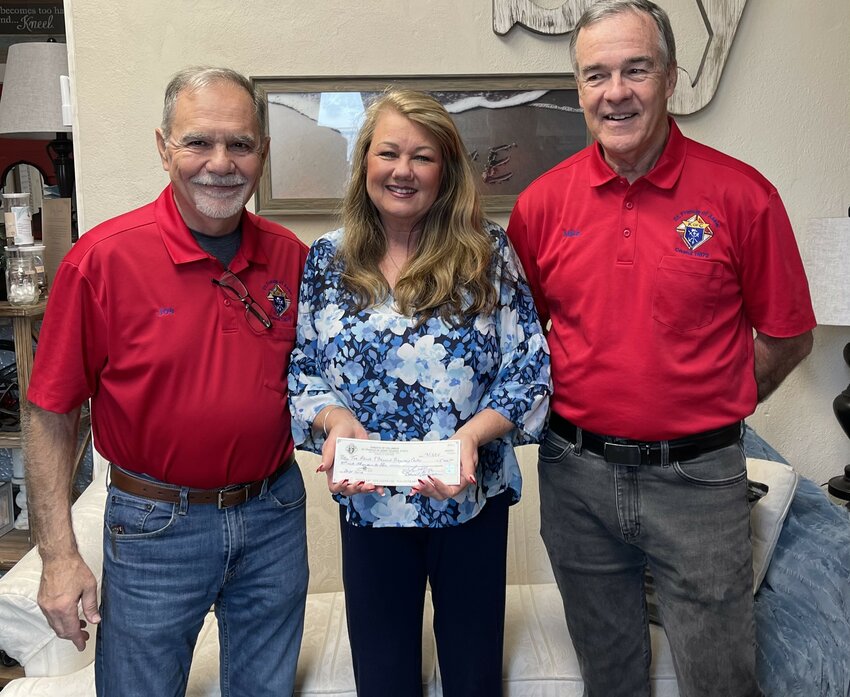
<point x="7" y="508"/>
<point x="514" y="127"/>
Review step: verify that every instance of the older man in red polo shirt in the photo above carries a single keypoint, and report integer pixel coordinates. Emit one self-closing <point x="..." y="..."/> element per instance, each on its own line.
<point x="655" y="258"/>
<point x="177" y="320"/>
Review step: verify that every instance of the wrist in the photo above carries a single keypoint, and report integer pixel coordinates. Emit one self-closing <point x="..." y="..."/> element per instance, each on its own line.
<point x="328" y="412"/>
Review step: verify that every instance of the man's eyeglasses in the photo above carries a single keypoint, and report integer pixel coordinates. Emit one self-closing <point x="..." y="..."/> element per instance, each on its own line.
<point x="257" y="318"/>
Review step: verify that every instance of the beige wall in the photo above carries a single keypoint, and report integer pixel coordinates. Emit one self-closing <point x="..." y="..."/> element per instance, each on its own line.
<point x="783" y="105"/>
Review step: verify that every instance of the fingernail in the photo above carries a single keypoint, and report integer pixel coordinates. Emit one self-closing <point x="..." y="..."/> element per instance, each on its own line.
<point x="319" y="468"/>
<point x="472" y="479"/>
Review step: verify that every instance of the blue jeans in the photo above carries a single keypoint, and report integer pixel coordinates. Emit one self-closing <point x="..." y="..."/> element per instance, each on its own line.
<point x="689" y="522"/>
<point x="166" y="564"/>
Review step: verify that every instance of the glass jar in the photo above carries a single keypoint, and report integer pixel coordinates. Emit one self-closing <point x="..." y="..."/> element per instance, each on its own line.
<point x="34" y="252"/>
<point x="21" y="281"/>
<point x="17" y="215"/>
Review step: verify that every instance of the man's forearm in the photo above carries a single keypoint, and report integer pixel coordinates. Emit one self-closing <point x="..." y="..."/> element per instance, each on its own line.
<point x="776" y="358"/>
<point x="50" y="442"/>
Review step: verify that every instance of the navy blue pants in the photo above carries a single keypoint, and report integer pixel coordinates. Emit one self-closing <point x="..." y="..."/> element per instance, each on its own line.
<point x="384" y="573"/>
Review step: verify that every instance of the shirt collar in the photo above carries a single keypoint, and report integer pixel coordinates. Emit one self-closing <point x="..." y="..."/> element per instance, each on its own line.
<point x="663" y="175"/>
<point x="182" y="246"/>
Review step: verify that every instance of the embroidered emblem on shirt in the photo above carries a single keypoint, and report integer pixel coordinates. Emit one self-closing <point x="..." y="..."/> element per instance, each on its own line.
<point x="279" y="299"/>
<point x="695" y="231"/>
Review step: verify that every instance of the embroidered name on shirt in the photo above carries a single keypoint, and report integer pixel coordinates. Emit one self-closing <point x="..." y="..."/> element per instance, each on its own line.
<point x="165" y="312"/>
<point x="571" y="233"/>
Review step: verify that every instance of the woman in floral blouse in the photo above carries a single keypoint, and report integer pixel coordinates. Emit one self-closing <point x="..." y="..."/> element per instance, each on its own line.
<point x="415" y="323"/>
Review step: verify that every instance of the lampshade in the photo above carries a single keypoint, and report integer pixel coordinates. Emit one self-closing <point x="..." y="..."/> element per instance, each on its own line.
<point x="31" y="102"/>
<point x="826" y="256"/>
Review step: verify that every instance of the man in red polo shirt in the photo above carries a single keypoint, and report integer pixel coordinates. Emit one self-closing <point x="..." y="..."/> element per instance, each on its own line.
<point x="655" y="258"/>
<point x="177" y="320"/>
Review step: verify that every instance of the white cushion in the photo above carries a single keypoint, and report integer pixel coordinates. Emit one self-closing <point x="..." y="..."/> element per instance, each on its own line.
<point x="24" y="632"/>
<point x="539" y="657"/>
<point x="769" y="512"/>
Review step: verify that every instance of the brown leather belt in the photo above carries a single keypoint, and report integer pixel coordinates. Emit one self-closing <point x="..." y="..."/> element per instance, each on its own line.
<point x="223" y="498"/>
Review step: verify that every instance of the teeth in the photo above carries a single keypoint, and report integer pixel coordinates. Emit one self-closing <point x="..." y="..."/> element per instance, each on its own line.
<point x="402" y="189"/>
<point x="619" y="117"/>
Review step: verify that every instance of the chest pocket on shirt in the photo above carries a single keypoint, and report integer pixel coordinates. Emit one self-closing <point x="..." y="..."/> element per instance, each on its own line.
<point x="279" y="342"/>
<point x="686" y="292"/>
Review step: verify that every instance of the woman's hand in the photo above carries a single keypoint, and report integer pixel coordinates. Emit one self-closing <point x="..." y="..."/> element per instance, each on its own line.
<point x="485" y="426"/>
<point x="437" y="489"/>
<point x="339" y="422"/>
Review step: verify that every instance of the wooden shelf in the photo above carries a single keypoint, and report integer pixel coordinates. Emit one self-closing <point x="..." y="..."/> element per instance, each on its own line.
<point x="13" y="545"/>
<point x="9" y="674"/>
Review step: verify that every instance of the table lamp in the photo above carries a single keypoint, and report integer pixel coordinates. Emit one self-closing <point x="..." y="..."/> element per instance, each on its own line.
<point x="826" y="255"/>
<point x="35" y="105"/>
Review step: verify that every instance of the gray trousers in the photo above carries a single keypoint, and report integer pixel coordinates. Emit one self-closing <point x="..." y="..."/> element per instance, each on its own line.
<point x="689" y="522"/>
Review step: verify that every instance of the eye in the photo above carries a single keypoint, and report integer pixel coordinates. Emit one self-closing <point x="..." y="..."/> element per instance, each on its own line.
<point x="386" y="154"/>
<point x="242" y="147"/>
<point x="423" y="158"/>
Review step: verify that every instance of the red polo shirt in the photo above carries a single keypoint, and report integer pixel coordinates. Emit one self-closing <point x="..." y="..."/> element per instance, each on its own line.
<point x="654" y="288"/>
<point x="182" y="388"/>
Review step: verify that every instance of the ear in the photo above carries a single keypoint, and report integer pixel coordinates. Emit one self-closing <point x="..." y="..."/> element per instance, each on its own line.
<point x="672" y="79"/>
<point x="161" y="147"/>
<point x="264" y="151"/>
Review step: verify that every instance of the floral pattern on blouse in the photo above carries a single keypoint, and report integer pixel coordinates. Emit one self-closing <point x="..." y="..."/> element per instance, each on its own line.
<point x="420" y="383"/>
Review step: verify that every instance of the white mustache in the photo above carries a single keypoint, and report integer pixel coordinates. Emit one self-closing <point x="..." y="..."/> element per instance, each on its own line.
<point x="215" y="180"/>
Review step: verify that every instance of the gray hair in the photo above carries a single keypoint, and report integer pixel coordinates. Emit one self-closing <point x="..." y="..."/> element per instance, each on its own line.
<point x="607" y="8"/>
<point x="197" y="77"/>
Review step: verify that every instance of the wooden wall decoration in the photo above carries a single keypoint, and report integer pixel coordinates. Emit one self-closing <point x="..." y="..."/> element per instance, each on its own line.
<point x="693" y="92"/>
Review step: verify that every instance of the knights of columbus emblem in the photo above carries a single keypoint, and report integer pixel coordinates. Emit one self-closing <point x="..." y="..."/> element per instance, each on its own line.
<point x="279" y="299"/>
<point x="694" y="231"/>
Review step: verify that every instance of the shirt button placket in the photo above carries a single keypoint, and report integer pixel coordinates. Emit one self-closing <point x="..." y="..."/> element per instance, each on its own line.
<point x="628" y="219"/>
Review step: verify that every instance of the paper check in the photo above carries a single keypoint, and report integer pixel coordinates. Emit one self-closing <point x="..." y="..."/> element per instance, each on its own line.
<point x="396" y="463"/>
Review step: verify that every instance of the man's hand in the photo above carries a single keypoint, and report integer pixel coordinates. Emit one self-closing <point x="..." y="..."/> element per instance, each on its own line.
<point x="65" y="586"/>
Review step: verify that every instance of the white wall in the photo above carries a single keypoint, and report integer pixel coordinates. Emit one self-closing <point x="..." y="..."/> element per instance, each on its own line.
<point x="783" y="105"/>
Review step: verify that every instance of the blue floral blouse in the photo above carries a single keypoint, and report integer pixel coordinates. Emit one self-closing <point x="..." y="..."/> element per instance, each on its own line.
<point x="420" y="383"/>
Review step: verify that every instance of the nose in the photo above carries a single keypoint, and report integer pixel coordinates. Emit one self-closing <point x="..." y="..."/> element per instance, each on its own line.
<point x="618" y="88"/>
<point x="403" y="168"/>
<point x="220" y="161"/>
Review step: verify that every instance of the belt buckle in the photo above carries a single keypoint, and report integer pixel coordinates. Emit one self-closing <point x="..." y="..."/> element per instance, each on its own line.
<point x="623" y="454"/>
<point x="223" y="492"/>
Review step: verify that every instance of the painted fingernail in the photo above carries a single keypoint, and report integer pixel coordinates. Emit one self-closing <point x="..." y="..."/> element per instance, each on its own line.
<point x="472" y="479"/>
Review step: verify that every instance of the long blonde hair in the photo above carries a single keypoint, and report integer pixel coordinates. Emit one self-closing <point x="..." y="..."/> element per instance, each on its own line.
<point x="448" y="273"/>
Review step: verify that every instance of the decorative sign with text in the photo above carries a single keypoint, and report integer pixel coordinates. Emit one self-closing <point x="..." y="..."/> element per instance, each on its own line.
<point x="17" y="19"/>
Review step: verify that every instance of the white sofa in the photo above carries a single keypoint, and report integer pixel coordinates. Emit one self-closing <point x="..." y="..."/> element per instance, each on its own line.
<point x="539" y="658"/>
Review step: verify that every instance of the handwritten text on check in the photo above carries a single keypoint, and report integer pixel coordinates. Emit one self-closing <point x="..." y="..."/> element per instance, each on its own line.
<point x="396" y="463"/>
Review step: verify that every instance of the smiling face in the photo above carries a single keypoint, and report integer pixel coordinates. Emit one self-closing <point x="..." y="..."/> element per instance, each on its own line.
<point x="403" y="170"/>
<point x="623" y="89"/>
<point x="214" y="156"/>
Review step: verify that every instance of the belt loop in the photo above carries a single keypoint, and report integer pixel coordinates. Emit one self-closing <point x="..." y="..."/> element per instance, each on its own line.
<point x="665" y="453"/>
<point x="183" y="506"/>
<point x="578" y="441"/>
